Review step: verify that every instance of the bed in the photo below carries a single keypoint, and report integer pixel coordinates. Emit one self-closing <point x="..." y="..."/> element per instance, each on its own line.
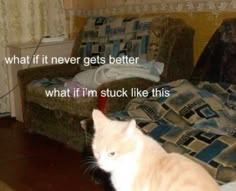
<point x="198" y="118"/>
<point x="198" y="121"/>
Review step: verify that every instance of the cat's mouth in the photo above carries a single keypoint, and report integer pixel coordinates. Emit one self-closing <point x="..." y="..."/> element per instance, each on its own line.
<point x="103" y="167"/>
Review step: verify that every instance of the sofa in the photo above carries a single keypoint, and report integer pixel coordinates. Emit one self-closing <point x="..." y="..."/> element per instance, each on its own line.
<point x="164" y="39"/>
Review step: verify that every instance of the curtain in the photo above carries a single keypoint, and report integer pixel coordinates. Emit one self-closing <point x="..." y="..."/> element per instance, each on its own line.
<point x="23" y="21"/>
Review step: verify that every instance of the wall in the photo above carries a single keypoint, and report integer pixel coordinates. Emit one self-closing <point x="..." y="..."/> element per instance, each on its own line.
<point x="76" y="4"/>
<point x="74" y="15"/>
<point x="22" y="22"/>
<point x="203" y="15"/>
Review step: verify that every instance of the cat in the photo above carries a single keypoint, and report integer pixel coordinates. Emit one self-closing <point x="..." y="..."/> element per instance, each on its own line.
<point x="137" y="162"/>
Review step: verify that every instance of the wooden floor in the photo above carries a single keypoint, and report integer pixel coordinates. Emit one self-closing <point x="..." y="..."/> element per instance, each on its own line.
<point x="31" y="162"/>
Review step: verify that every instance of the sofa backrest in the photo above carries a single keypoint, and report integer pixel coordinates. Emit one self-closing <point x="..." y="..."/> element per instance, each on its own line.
<point x="115" y="36"/>
<point x="164" y="39"/>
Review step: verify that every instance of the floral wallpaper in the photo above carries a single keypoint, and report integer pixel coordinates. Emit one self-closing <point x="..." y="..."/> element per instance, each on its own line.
<point x="24" y="21"/>
<point x="101" y="7"/>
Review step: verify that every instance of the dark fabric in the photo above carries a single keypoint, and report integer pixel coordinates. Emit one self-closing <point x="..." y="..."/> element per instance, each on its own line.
<point x="217" y="63"/>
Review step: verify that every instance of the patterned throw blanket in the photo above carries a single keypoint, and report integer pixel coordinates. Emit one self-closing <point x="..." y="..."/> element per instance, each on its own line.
<point x="197" y="121"/>
<point x="208" y="106"/>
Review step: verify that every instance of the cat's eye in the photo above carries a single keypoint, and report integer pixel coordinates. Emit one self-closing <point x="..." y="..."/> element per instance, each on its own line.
<point x="112" y="154"/>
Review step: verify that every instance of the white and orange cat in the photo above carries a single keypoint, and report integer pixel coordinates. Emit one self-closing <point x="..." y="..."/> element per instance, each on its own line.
<point x="138" y="163"/>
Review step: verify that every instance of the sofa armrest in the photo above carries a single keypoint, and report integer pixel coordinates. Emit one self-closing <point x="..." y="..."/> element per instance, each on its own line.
<point x="118" y="103"/>
<point x="171" y="42"/>
<point x="25" y="76"/>
<point x="177" y="53"/>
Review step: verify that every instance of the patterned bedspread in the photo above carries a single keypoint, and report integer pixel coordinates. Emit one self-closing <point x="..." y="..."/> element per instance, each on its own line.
<point x="198" y="121"/>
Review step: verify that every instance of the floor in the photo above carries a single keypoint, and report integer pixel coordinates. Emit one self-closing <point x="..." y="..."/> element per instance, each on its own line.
<point x="30" y="162"/>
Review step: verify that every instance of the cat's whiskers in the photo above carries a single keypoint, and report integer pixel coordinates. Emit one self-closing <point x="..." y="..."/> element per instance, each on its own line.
<point x="91" y="165"/>
<point x="88" y="138"/>
<point x="91" y="169"/>
<point x="89" y="160"/>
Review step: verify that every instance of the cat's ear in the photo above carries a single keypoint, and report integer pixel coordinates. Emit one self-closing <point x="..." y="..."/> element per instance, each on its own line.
<point x="99" y="118"/>
<point x="131" y="128"/>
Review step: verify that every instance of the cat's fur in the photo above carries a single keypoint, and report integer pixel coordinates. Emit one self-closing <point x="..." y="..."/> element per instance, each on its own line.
<point x="138" y="163"/>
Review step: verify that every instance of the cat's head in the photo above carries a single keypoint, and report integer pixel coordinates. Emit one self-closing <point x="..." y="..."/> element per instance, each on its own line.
<point x="115" y="143"/>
